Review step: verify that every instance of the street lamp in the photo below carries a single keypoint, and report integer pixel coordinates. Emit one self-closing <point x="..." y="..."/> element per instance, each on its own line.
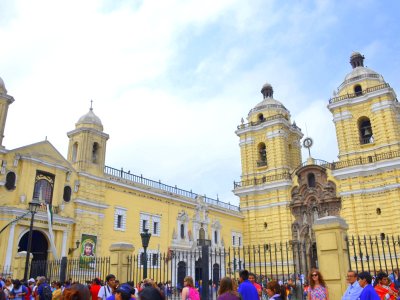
<point x="33" y="207"/>
<point x="145" y="235"/>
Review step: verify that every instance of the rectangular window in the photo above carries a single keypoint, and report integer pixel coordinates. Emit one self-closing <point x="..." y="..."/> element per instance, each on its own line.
<point x="155" y="259"/>
<point x="240" y="241"/>
<point x="233" y="240"/>
<point x="144" y="225"/>
<point x="155" y="228"/>
<point x="120" y="219"/>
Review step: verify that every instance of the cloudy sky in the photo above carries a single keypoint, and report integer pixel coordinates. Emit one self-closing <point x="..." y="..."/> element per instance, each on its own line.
<point x="171" y="80"/>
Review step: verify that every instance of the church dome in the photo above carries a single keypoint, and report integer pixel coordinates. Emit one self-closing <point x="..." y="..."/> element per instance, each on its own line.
<point x="269" y="103"/>
<point x="3" y="89"/>
<point x="360" y="72"/>
<point x="90" y="119"/>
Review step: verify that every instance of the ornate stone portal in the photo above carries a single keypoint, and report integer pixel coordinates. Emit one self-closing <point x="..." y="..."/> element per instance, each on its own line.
<point x="313" y="198"/>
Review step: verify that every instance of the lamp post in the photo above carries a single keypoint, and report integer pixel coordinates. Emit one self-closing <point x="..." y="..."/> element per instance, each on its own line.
<point x="33" y="207"/>
<point x="145" y="235"/>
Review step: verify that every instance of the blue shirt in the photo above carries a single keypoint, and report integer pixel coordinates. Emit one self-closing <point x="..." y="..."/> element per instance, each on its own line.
<point x="353" y="291"/>
<point x="368" y="293"/>
<point x="248" y="291"/>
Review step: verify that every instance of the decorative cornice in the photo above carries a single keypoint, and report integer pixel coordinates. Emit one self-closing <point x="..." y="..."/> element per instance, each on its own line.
<point x="82" y="211"/>
<point x="369" y="169"/>
<point x="45" y="163"/>
<point x="38" y="216"/>
<point x="371" y="190"/>
<point x="90" y="130"/>
<point x="89" y="203"/>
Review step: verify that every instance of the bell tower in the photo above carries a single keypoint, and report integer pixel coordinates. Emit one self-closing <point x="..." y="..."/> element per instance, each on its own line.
<point x="87" y="145"/>
<point x="270" y="150"/>
<point x="366" y="114"/>
<point x="5" y="101"/>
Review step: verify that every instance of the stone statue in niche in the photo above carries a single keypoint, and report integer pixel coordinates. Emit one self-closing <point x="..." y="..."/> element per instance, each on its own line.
<point x="305" y="218"/>
<point x="315" y="212"/>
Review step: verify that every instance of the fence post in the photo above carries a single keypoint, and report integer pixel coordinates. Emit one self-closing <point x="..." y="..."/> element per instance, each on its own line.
<point x="330" y="233"/>
<point x="63" y="269"/>
<point x="19" y="264"/>
<point x="119" y="262"/>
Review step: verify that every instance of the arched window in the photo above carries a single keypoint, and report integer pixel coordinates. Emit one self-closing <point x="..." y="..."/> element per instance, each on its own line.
<point x="262" y="155"/>
<point x="358" y="90"/>
<point x="74" y="152"/>
<point x="67" y="193"/>
<point x="10" y="181"/>
<point x="215" y="237"/>
<point x="43" y="190"/>
<point x="202" y="234"/>
<point x="260" y="118"/>
<point x="95" y="152"/>
<point x="365" y="129"/>
<point x="182" y="231"/>
<point x="311" y="180"/>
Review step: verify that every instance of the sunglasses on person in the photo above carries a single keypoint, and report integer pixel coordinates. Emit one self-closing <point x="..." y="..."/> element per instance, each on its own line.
<point x="315" y="274"/>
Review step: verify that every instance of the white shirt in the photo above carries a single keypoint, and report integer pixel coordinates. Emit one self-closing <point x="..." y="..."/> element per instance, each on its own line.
<point x="104" y="292"/>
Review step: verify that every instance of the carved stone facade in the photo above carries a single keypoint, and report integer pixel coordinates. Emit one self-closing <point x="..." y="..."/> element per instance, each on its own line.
<point x="314" y="197"/>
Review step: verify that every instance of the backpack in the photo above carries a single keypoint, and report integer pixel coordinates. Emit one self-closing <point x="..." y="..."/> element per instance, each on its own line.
<point x="46" y="293"/>
<point x="193" y="294"/>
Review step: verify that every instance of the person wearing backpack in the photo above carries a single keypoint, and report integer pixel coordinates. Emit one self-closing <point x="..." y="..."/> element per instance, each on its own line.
<point x="44" y="290"/>
<point x="108" y="289"/>
<point x="189" y="292"/>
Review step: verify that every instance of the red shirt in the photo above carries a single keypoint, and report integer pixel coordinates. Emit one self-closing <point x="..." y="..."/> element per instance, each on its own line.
<point x="94" y="290"/>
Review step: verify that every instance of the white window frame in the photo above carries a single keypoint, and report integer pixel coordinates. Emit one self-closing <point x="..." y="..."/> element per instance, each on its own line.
<point x="156" y="219"/>
<point x="120" y="211"/>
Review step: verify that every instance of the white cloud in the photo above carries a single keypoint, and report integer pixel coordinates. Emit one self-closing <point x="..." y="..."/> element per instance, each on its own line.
<point x="172" y="79"/>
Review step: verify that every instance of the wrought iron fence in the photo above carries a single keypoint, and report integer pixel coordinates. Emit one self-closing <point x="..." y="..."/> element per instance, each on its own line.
<point x="76" y="270"/>
<point x="280" y="261"/>
<point x="373" y="253"/>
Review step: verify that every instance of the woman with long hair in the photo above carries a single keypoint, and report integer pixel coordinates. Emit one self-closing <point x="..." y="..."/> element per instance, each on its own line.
<point x="275" y="291"/>
<point x="189" y="290"/>
<point x="227" y="290"/>
<point x="317" y="289"/>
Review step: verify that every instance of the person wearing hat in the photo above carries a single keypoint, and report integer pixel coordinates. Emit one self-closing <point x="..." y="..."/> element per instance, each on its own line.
<point x="124" y="292"/>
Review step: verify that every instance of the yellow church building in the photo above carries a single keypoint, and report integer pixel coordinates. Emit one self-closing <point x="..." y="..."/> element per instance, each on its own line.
<point x="280" y="194"/>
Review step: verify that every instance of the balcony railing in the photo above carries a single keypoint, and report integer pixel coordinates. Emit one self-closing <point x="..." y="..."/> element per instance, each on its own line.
<point x="117" y="175"/>
<point x="354" y="95"/>
<point x="333" y="166"/>
<point x="262" y="180"/>
<point x="250" y="124"/>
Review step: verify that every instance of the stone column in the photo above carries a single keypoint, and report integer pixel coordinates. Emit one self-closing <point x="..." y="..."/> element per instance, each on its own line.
<point x="119" y="260"/>
<point x="330" y="234"/>
<point x="19" y="264"/>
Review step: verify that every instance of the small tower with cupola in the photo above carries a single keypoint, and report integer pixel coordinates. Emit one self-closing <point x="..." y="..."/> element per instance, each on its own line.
<point x="87" y="144"/>
<point x="366" y="114"/>
<point x="270" y="150"/>
<point x="5" y="101"/>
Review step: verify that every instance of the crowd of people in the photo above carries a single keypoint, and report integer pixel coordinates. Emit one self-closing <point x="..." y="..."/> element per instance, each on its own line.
<point x="361" y="286"/>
